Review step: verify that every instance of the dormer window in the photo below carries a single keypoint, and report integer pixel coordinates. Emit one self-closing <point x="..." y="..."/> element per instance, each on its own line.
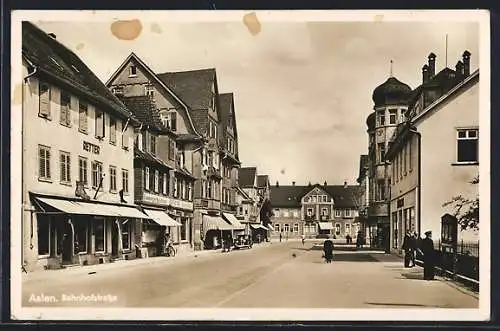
<point x="170" y="120"/>
<point x="132" y="71"/>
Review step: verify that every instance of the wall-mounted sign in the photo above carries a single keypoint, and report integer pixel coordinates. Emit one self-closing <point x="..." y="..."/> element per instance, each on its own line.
<point x="89" y="147"/>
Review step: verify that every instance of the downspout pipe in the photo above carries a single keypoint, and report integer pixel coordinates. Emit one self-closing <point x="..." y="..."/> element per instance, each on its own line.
<point x="419" y="179"/>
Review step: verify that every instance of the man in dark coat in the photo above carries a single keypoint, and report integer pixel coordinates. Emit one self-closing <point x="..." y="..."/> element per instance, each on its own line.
<point x="328" y="250"/>
<point x="429" y="256"/>
<point x="407" y="250"/>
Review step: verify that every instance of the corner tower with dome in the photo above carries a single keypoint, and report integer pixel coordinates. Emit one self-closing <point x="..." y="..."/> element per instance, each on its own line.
<point x="390" y="104"/>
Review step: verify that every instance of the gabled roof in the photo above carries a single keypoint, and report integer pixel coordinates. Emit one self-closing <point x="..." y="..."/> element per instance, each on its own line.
<point x="262" y="181"/>
<point x="444" y="81"/>
<point x="194" y="87"/>
<point x="246" y="176"/>
<point x="287" y="196"/>
<point x="290" y="196"/>
<point x="145" y="110"/>
<point x="227" y="113"/>
<point x="134" y="57"/>
<point x="56" y="61"/>
<point x="243" y="193"/>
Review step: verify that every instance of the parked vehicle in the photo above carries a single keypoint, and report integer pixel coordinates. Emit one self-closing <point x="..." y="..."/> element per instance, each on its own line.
<point x="243" y="241"/>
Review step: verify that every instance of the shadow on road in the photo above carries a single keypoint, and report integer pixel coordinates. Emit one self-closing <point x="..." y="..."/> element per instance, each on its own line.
<point x="351" y="258"/>
<point x="392" y="304"/>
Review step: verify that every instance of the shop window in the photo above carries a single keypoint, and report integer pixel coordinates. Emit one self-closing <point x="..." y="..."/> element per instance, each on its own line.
<point x="286" y="228"/>
<point x="43" y="224"/>
<point x="126" y="235"/>
<point x="100" y="235"/>
<point x="296" y="227"/>
<point x="81" y="236"/>
<point x="183" y="229"/>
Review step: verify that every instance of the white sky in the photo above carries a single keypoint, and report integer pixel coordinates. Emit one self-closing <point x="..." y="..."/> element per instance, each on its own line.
<point x="302" y="90"/>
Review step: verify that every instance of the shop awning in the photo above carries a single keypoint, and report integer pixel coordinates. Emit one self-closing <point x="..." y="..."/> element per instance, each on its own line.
<point x="325" y="226"/>
<point x="97" y="209"/>
<point x="258" y="226"/>
<point x="161" y="217"/>
<point x="215" y="223"/>
<point x="234" y="221"/>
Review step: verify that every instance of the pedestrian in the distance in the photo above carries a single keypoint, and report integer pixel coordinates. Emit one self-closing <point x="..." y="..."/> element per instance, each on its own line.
<point x="280" y="236"/>
<point x="412" y="248"/>
<point x="303" y="239"/>
<point x="429" y="256"/>
<point x="407" y="250"/>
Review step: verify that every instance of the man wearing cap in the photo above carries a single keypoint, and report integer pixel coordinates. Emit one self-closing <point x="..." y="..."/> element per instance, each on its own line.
<point x="429" y="256"/>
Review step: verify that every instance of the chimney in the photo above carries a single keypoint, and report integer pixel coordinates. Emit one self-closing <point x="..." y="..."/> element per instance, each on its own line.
<point x="309" y="184"/>
<point x="432" y="65"/>
<point x="459" y="68"/>
<point x="52" y="35"/>
<point x="277" y="184"/>
<point x="425" y="73"/>
<point x="293" y="183"/>
<point x="325" y="183"/>
<point x="466" y="60"/>
<point x="345" y="184"/>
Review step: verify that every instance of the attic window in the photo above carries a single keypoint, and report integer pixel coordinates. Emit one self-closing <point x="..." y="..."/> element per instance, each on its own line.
<point x="117" y="90"/>
<point x="133" y="71"/>
<point x="75" y="68"/>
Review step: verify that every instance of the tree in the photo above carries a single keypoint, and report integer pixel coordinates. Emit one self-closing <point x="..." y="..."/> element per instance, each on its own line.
<point x="266" y="212"/>
<point x="466" y="209"/>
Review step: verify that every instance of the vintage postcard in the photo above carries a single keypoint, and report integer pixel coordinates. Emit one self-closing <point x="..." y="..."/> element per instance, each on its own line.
<point x="250" y="165"/>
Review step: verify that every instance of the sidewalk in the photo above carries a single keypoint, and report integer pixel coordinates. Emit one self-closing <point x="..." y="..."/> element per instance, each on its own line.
<point x="81" y="270"/>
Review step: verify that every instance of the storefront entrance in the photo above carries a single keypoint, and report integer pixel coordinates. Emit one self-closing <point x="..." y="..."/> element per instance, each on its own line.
<point x="67" y="243"/>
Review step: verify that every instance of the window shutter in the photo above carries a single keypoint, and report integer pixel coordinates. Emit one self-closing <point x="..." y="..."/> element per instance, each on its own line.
<point x="47" y="163"/>
<point x="44" y="94"/>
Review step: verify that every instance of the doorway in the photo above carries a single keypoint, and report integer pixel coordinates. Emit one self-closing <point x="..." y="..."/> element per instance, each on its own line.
<point x="67" y="243"/>
<point x="114" y="239"/>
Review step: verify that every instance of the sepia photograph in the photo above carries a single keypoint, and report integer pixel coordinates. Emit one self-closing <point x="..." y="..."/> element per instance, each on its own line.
<point x="250" y="165"/>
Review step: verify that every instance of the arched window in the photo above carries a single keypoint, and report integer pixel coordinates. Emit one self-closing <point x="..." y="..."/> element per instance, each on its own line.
<point x="277" y="227"/>
<point x="348" y="229"/>
<point x="286" y="227"/>
<point x="296" y="227"/>
<point x="337" y="229"/>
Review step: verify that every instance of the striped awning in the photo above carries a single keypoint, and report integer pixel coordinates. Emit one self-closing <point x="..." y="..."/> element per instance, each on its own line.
<point x="215" y="223"/>
<point x="97" y="209"/>
<point x="325" y="226"/>
<point x="234" y="221"/>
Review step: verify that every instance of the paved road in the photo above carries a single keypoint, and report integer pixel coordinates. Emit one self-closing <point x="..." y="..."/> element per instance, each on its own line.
<point x="280" y="275"/>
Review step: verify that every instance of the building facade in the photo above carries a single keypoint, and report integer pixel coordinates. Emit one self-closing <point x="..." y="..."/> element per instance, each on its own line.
<point x="163" y="184"/>
<point x="390" y="104"/>
<point x="315" y="210"/>
<point x="78" y="173"/>
<point x="444" y="108"/>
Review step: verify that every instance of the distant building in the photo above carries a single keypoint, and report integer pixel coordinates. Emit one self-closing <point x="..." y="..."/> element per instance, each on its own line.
<point x="315" y="210"/>
<point x="435" y="153"/>
<point x="364" y="190"/>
